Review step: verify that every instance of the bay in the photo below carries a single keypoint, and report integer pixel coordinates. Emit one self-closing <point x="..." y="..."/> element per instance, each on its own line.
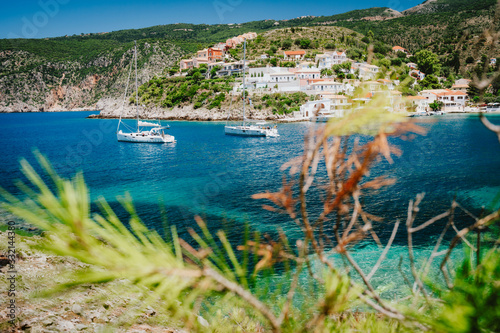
<point x="212" y="175"/>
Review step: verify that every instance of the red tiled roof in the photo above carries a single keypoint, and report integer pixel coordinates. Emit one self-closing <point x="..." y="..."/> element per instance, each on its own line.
<point x="454" y="93"/>
<point x="295" y="52"/>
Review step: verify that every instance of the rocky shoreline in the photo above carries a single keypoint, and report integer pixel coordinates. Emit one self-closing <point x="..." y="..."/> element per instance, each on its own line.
<point x="88" y="308"/>
<point x="111" y="108"/>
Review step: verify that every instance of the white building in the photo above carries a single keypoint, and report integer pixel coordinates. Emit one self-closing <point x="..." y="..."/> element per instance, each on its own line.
<point x="339" y="102"/>
<point x="281" y="77"/>
<point x="417" y="74"/>
<point x="419" y="103"/>
<point x="328" y="59"/>
<point x="453" y="101"/>
<point x="338" y="57"/>
<point x="308" y="74"/>
<point x="324" y="60"/>
<point x="330" y="86"/>
<point x="366" y="71"/>
<point x="322" y="110"/>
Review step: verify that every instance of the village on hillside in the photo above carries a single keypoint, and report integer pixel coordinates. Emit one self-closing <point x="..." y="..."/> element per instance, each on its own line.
<point x="333" y="78"/>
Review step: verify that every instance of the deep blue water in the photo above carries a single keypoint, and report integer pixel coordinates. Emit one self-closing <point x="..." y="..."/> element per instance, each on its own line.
<point x="214" y="175"/>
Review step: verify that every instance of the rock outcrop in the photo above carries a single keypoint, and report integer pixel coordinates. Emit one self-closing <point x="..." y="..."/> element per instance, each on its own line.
<point x="111" y="108"/>
<point x="30" y="82"/>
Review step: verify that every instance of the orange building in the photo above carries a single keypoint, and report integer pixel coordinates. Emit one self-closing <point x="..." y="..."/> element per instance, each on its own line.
<point x="215" y="54"/>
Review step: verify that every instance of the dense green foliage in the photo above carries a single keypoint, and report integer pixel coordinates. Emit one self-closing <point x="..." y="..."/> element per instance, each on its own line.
<point x="170" y="92"/>
<point x="448" y="15"/>
<point x="282" y="103"/>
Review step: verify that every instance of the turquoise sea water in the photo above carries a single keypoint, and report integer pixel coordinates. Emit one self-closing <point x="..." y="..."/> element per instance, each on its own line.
<point x="214" y="175"/>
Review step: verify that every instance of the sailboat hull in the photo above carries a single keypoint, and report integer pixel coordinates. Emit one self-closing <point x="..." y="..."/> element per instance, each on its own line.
<point x="255" y="131"/>
<point x="144" y="138"/>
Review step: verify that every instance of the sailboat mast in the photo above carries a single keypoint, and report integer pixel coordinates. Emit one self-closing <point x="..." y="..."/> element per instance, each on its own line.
<point x="244" y="95"/>
<point x="136" y="87"/>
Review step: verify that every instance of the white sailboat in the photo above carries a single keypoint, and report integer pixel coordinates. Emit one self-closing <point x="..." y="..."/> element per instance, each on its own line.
<point x="141" y="134"/>
<point x="259" y="129"/>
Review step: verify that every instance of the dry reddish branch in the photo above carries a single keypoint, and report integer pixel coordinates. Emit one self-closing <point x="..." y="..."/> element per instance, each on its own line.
<point x="283" y="199"/>
<point x="346" y="168"/>
<point x="479" y="224"/>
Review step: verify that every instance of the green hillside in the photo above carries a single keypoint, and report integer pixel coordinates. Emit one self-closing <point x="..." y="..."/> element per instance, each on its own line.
<point x="76" y="71"/>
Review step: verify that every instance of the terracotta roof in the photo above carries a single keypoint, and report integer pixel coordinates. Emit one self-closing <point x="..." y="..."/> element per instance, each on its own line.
<point x="398" y="48"/>
<point x="295" y="52"/>
<point x="320" y="80"/>
<point x="452" y="93"/>
<point x="434" y="91"/>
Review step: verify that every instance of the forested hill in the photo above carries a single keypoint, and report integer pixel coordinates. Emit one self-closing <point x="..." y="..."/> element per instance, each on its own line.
<point x="443" y="26"/>
<point x="76" y="71"/>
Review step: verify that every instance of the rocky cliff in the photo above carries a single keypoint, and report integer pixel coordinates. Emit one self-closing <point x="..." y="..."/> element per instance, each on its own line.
<point x="31" y="82"/>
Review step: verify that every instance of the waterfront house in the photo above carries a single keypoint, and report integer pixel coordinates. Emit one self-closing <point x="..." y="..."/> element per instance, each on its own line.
<point x="419" y="104"/>
<point x="339" y="102"/>
<point x="313" y="108"/>
<point x="397" y="101"/>
<point x="453" y="101"/>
